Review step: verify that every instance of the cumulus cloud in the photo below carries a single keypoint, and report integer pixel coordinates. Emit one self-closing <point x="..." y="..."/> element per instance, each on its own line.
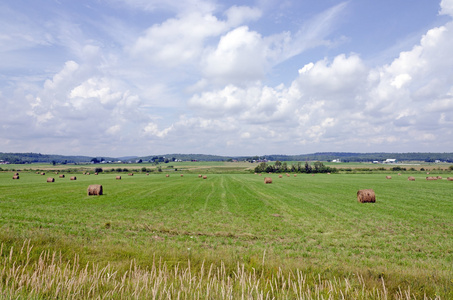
<point x="200" y="78"/>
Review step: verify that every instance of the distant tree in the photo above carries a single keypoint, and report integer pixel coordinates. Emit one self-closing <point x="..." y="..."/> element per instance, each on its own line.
<point x="98" y="170"/>
<point x="307" y="167"/>
<point x="94" y="160"/>
<point x="54" y="162"/>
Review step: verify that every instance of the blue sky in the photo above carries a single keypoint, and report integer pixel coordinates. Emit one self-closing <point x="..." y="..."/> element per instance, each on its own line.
<point x="141" y="77"/>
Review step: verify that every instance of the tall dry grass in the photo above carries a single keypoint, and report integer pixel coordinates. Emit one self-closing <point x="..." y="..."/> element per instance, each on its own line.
<point x="50" y="277"/>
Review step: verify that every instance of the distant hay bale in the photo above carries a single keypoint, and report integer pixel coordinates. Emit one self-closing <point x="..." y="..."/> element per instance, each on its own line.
<point x="366" y="196"/>
<point x="205" y="177"/>
<point x="431" y="178"/>
<point x="94" y="190"/>
<point x="261" y="174"/>
<point x="50" y="179"/>
<point x="16" y="174"/>
<point x="42" y="173"/>
<point x="37" y="172"/>
<point x="450" y="178"/>
<point x="182" y="175"/>
<point x="295" y="175"/>
<point x="56" y="173"/>
<point x="439" y="177"/>
<point x="280" y="176"/>
<point x="411" y="178"/>
<point x="167" y="175"/>
<point x="267" y="180"/>
<point x="388" y="177"/>
<point x="118" y="177"/>
<point x="16" y="177"/>
<point x="399" y="174"/>
<point x="312" y="174"/>
<point x="131" y="174"/>
<point x="96" y="173"/>
<point x="427" y="173"/>
<point x="88" y="173"/>
<point x="147" y="173"/>
<point x="73" y="178"/>
<point x="61" y="176"/>
<point x="328" y="173"/>
<point x="199" y="175"/>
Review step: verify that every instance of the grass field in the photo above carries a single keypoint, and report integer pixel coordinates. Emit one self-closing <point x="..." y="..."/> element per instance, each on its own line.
<point x="308" y="228"/>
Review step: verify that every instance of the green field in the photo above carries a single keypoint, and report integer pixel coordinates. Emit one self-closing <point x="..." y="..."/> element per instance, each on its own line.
<point x="308" y="227"/>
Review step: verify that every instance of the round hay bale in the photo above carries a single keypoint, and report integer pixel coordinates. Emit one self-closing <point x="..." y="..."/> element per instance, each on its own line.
<point x="118" y="177"/>
<point x="427" y="173"/>
<point x="73" y="178"/>
<point x="431" y="178"/>
<point x="295" y="175"/>
<point x="94" y="190"/>
<point x="167" y="175"/>
<point x="131" y="174"/>
<point x="182" y="175"/>
<point x="50" y="179"/>
<point x="42" y="173"/>
<point x="96" y="173"/>
<point x="439" y="177"/>
<point x="411" y="178"/>
<point x="16" y="177"/>
<point x="366" y="196"/>
<point x="205" y="177"/>
<point x="388" y="177"/>
<point x="267" y="180"/>
<point x="147" y="174"/>
<point x="199" y="175"/>
<point x="56" y="173"/>
<point x="399" y="174"/>
<point x="280" y="176"/>
<point x="16" y="174"/>
<point x="37" y="172"/>
<point x="88" y="173"/>
<point x="61" y="176"/>
<point x="450" y="178"/>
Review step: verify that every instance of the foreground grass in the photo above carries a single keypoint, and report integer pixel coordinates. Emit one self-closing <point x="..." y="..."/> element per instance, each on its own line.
<point x="51" y="278"/>
<point x="307" y="230"/>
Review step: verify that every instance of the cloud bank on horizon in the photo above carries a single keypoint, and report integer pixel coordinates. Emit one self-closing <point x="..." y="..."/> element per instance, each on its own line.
<point x="136" y="77"/>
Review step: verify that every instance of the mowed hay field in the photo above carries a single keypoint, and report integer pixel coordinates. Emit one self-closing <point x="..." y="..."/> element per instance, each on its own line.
<point x="227" y="236"/>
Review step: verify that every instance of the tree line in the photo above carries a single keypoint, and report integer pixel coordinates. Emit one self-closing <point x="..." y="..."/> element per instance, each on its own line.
<point x="283" y="167"/>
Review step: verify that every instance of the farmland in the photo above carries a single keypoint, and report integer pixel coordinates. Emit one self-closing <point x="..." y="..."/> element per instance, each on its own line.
<point x="307" y="225"/>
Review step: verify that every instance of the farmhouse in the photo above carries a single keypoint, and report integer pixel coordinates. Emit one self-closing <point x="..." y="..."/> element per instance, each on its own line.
<point x="390" y="161"/>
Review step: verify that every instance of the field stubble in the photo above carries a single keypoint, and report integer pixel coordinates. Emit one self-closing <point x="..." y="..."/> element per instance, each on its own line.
<point x="234" y="224"/>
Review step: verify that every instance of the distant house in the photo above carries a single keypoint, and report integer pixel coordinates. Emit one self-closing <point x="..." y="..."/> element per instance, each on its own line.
<point x="336" y="160"/>
<point x="390" y="161"/>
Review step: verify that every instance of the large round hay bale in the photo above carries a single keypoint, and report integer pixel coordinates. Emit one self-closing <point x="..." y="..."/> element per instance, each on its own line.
<point x="450" y="178"/>
<point x="431" y="178"/>
<point x="50" y="179"/>
<point x="42" y="173"/>
<point x="118" y="177"/>
<point x="267" y="180"/>
<point x="131" y="174"/>
<point x="205" y="177"/>
<point x="16" y="177"/>
<point x="280" y="176"/>
<point x="388" y="177"/>
<point x="73" y="178"/>
<point x="366" y="196"/>
<point x="94" y="189"/>
<point x="411" y="178"/>
<point x="61" y="176"/>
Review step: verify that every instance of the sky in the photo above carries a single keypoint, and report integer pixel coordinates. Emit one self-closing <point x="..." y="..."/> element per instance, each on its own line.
<point x="146" y="77"/>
